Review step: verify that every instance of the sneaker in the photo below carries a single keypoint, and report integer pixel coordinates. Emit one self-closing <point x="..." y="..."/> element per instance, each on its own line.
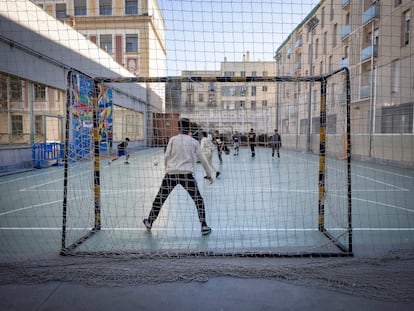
<point x="205" y="230"/>
<point x="126" y="162"/>
<point x="147" y="223"/>
<point x="217" y="174"/>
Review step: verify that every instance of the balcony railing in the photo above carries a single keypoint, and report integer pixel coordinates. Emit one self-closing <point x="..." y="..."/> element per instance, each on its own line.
<point x="345" y="31"/>
<point x="369" y="52"/>
<point x="371" y="13"/>
<point x="298" y="43"/>
<point x="344" y="62"/>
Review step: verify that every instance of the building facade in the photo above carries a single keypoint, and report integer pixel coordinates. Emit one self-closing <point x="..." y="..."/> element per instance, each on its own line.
<point x="128" y="33"/>
<point x="232" y="106"/>
<point x="374" y="40"/>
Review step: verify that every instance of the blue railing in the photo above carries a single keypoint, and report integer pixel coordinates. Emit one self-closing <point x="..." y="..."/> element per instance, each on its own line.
<point x="345" y="31"/>
<point x="43" y="154"/>
<point x="371" y="13"/>
<point x="369" y="52"/>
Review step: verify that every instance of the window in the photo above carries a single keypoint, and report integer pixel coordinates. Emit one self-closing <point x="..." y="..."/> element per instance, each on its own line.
<point x="200" y="98"/>
<point x="131" y="7"/>
<point x="241" y="104"/>
<point x="15" y="89"/>
<point x="105" y="7"/>
<point x="39" y="91"/>
<point x="264" y="103"/>
<point x="254" y="74"/>
<point x="397" y="119"/>
<point x="79" y="7"/>
<point x="17" y="124"/>
<point x="264" y="88"/>
<point x="253" y="105"/>
<point x="397" y="3"/>
<point x="316" y="48"/>
<point x="131" y="44"/>
<point x="335" y="34"/>
<point x="332" y="11"/>
<point x="265" y="73"/>
<point x="229" y="74"/>
<point x="106" y="43"/>
<point x="38" y="125"/>
<point x="325" y="42"/>
<point x="253" y="92"/>
<point x="406" y="28"/>
<point x="323" y="18"/>
<point x="3" y="92"/>
<point x="395" y="76"/>
<point x="60" y="10"/>
<point x="243" y="90"/>
<point x="242" y="73"/>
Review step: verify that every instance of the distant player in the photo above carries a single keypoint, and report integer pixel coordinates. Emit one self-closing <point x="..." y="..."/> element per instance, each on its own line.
<point x="220" y="145"/>
<point x="252" y="141"/>
<point x="207" y="147"/>
<point x="122" y="152"/>
<point x="236" y="143"/>
<point x="276" y="143"/>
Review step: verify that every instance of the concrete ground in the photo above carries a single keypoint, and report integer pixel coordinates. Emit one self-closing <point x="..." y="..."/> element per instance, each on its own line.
<point x="221" y="293"/>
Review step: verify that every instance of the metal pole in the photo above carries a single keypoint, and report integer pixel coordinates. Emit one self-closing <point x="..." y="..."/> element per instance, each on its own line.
<point x="96" y="172"/>
<point x="371" y="95"/>
<point x="312" y="23"/>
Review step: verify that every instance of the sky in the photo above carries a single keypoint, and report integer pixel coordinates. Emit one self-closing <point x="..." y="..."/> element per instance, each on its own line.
<point x="201" y="33"/>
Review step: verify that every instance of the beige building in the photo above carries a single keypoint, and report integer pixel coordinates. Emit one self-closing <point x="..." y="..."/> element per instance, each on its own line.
<point x="232" y="106"/>
<point x="131" y="31"/>
<point x="374" y="40"/>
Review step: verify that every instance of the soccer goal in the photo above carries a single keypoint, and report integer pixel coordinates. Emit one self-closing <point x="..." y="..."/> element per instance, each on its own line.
<point x="294" y="201"/>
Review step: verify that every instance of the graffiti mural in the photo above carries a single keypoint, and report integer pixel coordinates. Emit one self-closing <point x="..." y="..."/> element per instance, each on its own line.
<point x="81" y="113"/>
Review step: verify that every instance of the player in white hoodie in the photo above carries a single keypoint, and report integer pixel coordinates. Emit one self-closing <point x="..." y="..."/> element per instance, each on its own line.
<point x="181" y="154"/>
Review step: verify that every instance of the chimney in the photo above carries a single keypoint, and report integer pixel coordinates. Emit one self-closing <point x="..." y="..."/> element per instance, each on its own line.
<point x="248" y="56"/>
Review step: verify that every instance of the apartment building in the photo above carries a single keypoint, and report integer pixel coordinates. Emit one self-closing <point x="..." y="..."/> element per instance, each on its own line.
<point x="232" y="106"/>
<point x="374" y="40"/>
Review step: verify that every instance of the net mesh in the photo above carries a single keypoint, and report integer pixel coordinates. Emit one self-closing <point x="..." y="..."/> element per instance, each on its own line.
<point x="257" y="208"/>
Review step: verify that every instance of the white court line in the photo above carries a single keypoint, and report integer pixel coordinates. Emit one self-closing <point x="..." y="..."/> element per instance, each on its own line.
<point x="384" y="204"/>
<point x="41" y="185"/>
<point x="214" y="229"/>
<point x="381" y="182"/>
<point x="384" y="171"/>
<point x="29" y="207"/>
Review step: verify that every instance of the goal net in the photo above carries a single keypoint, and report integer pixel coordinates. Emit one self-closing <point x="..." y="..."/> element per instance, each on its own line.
<point x="289" y="201"/>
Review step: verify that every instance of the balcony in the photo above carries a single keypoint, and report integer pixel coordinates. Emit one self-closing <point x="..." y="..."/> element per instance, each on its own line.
<point x="370" y="14"/>
<point x="298" y="43"/>
<point x="369" y="52"/>
<point x="344" y="62"/>
<point x="345" y="31"/>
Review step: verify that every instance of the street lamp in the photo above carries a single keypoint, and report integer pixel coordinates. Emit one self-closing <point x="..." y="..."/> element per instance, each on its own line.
<point x="311" y="24"/>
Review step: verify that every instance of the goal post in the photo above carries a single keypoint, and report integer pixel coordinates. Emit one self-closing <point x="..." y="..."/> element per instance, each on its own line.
<point x="264" y="206"/>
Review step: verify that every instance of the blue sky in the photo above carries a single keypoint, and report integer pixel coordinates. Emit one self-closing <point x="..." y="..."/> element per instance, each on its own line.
<point x="200" y="33"/>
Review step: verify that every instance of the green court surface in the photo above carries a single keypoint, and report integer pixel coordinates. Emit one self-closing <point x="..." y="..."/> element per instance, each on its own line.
<point x="257" y="206"/>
